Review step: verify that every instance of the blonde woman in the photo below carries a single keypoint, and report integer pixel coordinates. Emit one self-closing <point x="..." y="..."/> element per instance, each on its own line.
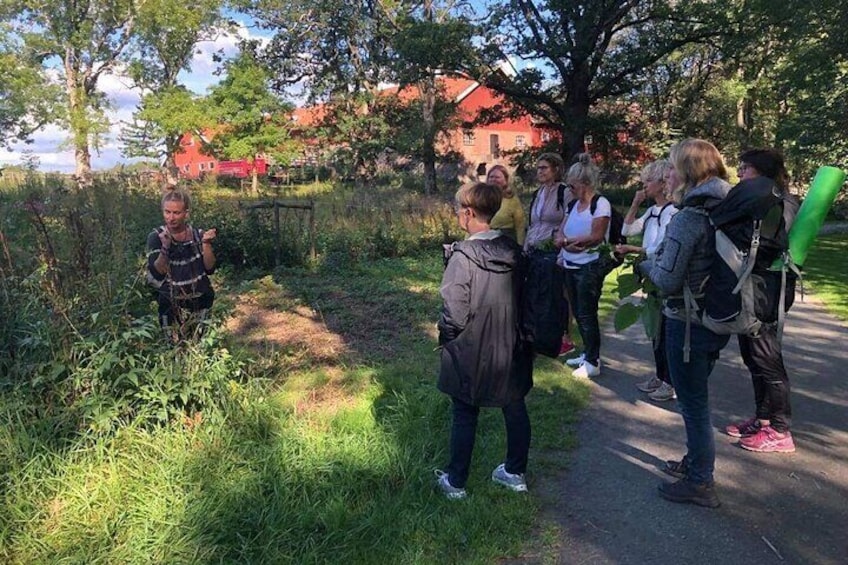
<point x="584" y="228"/>
<point x="510" y="218"/>
<point x="680" y="270"/>
<point x="659" y="180"/>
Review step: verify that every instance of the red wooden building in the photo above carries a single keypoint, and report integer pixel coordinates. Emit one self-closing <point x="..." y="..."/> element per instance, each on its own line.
<point x="480" y="145"/>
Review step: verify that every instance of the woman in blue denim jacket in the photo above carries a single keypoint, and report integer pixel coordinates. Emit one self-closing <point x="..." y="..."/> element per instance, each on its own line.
<point x="681" y="267"/>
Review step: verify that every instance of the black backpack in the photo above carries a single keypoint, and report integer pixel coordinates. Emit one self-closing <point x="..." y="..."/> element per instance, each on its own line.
<point x="544" y="310"/>
<point x="750" y="230"/>
<point x="616" y="224"/>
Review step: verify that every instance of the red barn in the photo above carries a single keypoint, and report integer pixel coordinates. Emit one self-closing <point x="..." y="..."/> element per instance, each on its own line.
<point x="480" y="145"/>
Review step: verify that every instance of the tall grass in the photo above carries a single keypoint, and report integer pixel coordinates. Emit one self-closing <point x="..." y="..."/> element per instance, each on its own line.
<point x="114" y="449"/>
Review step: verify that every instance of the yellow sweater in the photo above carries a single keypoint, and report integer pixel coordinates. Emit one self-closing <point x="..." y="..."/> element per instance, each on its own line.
<point x="510" y="218"/>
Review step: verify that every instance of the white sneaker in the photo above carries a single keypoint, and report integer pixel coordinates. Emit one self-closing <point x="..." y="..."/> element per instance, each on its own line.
<point x="663" y="393"/>
<point x="511" y="481"/>
<point x="587" y="370"/>
<point x="576" y="361"/>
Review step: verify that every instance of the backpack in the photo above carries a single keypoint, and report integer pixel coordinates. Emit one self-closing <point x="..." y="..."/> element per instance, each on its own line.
<point x="750" y="234"/>
<point x="560" y="198"/>
<point x="616" y="224"/>
<point x="542" y="304"/>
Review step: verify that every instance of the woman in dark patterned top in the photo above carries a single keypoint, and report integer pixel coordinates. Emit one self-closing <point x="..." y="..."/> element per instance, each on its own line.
<point x="179" y="261"/>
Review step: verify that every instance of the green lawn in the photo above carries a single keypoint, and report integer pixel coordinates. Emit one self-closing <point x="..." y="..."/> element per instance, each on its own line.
<point x="331" y="463"/>
<point x="826" y="272"/>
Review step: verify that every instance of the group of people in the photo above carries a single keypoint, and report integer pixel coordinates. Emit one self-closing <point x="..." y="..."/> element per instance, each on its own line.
<point x="484" y="361"/>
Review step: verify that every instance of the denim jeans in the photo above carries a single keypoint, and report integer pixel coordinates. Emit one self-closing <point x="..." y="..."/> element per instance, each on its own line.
<point x="763" y="357"/>
<point x="691" y="382"/>
<point x="584" y="286"/>
<point x="464" y="431"/>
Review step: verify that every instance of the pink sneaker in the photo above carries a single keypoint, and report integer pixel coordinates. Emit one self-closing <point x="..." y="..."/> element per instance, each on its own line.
<point x="769" y="440"/>
<point x="567" y="347"/>
<point x="743" y="429"/>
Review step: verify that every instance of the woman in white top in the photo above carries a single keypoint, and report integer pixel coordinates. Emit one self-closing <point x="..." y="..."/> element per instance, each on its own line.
<point x="655" y="219"/>
<point x="659" y="180"/>
<point x="584" y="227"/>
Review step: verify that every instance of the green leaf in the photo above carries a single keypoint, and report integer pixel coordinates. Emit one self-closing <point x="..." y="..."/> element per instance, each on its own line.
<point x="628" y="283"/>
<point x="651" y="317"/>
<point x="626" y="315"/>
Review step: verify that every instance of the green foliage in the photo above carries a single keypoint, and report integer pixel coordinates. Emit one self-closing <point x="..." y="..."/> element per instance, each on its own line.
<point x="638" y="300"/>
<point x="81" y="344"/>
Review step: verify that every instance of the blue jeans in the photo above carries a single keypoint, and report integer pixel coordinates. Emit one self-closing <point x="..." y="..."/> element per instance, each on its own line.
<point x="691" y="382"/>
<point x="464" y="431"/>
<point x="584" y="286"/>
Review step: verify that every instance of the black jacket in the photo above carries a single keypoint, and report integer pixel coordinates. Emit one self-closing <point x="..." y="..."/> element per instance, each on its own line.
<point x="484" y="363"/>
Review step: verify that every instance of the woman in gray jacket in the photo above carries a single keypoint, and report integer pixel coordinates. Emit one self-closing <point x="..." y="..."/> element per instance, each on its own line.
<point x="680" y="271"/>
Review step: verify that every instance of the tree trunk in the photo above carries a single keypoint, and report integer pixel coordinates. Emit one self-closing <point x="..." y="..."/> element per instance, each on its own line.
<point x="77" y="111"/>
<point x="172" y="172"/>
<point x="428" y="103"/>
<point x="254" y="184"/>
<point x="428" y="107"/>
<point x="575" y="117"/>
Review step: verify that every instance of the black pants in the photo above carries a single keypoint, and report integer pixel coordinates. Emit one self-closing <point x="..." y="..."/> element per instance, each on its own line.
<point x="659" y="354"/>
<point x="584" y="290"/>
<point x="169" y="311"/>
<point x="464" y="431"/>
<point x="764" y="358"/>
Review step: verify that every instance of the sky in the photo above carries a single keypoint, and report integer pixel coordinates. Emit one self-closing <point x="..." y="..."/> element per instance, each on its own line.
<point x="50" y="145"/>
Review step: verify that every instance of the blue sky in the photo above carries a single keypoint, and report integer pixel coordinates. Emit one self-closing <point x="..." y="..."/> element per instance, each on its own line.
<point x="50" y="144"/>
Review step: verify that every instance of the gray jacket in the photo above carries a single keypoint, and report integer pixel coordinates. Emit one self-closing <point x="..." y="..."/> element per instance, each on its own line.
<point x="688" y="250"/>
<point x="483" y="361"/>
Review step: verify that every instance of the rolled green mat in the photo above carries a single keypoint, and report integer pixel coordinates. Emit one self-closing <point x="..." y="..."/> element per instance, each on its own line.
<point x="811" y="216"/>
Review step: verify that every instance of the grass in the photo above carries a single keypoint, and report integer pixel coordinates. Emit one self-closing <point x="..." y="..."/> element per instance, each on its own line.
<point x="333" y="463"/>
<point x="826" y="272"/>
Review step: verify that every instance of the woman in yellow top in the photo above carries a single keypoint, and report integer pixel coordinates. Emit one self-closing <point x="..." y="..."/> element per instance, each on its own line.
<point x="510" y="217"/>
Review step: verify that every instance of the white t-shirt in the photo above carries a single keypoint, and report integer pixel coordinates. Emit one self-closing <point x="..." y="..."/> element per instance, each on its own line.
<point x="653" y="222"/>
<point x="579" y="224"/>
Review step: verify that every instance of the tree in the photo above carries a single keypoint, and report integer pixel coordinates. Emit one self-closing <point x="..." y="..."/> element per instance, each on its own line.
<point x="28" y="100"/>
<point x="159" y="123"/>
<point x="428" y="39"/>
<point x="576" y="54"/>
<point x="168" y="32"/>
<point x="251" y="119"/>
<point x="88" y="39"/>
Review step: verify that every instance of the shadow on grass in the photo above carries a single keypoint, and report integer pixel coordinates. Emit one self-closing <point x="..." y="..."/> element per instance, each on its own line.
<point x="351" y="479"/>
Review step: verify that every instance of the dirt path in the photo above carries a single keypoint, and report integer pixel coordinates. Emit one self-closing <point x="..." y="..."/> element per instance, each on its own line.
<point x="777" y="508"/>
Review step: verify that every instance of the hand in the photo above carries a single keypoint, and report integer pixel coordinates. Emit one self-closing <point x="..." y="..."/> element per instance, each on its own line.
<point x="165" y="239"/>
<point x="209" y="235"/>
<point x="639" y="197"/>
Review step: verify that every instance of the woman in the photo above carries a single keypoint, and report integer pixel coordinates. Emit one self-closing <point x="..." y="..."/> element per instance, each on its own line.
<point x="655" y="177"/>
<point x="179" y="261"/>
<point x="510" y="217"/>
<point x="680" y="270"/>
<point x="763" y="174"/>
<point x="547" y="207"/>
<point x="582" y="229"/>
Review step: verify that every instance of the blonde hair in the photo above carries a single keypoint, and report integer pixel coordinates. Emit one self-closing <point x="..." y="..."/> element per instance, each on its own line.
<point x="556" y="163"/>
<point x="695" y="161"/>
<point x="507" y="190"/>
<point x="584" y="170"/>
<point x="485" y="199"/>
<point x="654" y="170"/>
<point x="177" y="195"/>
